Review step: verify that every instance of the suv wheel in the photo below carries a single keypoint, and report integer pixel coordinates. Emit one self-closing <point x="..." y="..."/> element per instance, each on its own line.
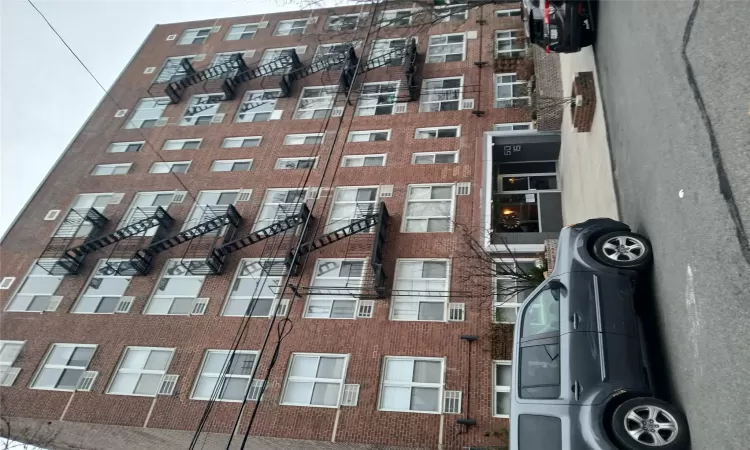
<point x="623" y="250"/>
<point x="646" y="423"/>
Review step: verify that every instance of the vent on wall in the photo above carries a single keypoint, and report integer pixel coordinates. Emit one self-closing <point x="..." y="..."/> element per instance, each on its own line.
<point x="52" y="214"/>
<point x="366" y="309"/>
<point x="386" y="190"/>
<point x="452" y="403"/>
<point x="171" y="37"/>
<point x="7" y="282"/>
<point x="121" y="112"/>
<point x="350" y="396"/>
<point x="149" y="70"/>
<point x="86" y="381"/>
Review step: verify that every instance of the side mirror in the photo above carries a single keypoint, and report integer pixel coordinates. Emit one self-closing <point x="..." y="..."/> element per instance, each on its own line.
<point x="556" y="287"/>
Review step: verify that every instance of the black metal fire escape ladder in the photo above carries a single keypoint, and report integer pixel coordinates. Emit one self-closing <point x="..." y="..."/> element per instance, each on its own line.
<point x="56" y="257"/>
<point x="272" y="68"/>
<point x="408" y="58"/>
<point x="348" y="58"/>
<point x="175" y="88"/>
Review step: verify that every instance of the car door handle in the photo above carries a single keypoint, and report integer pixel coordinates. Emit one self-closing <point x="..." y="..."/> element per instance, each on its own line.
<point x="576" y="319"/>
<point x="576" y="389"/>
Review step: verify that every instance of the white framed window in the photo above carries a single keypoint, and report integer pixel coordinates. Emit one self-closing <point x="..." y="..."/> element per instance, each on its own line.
<point x="342" y="22"/>
<point x="446" y="48"/>
<point x="382" y="47"/>
<point x="290" y="27"/>
<point x="304" y="139"/>
<point x="510" y="43"/>
<point x="412" y="384"/>
<point x="241" y="142"/>
<point x="502" y="372"/>
<point x="170" y="167"/>
<point x="422" y="286"/>
<point x="258" y="106"/>
<point x="396" y="18"/>
<point x="125" y="147"/>
<point x="520" y="126"/>
<point x="177" y="289"/>
<point x="326" y="51"/>
<point x="231" y="165"/>
<point x="363" y="161"/>
<point x="256" y="288"/>
<point x="140" y="371"/>
<point x="429" y="208"/>
<point x="242" y="31"/>
<point x="296" y="163"/>
<point x="145" y="204"/>
<point x="456" y="13"/>
<point x="337" y="282"/>
<point x="74" y="224"/>
<point x="272" y="54"/>
<point x="63" y="366"/>
<point x="221" y="58"/>
<point x="202" y="109"/>
<point x="9" y="351"/>
<point x="148" y="112"/>
<point x="279" y="204"/>
<point x="434" y="158"/>
<point x="111" y="169"/>
<point x="437" y="132"/>
<point x="37" y="290"/>
<point x="370" y="136"/>
<point x="441" y="94"/>
<point x="515" y="12"/>
<point x="510" y="91"/>
<point x="105" y="289"/>
<point x="182" y="144"/>
<point x="210" y="204"/>
<point x="172" y="70"/>
<point x="232" y="368"/>
<point x="314" y="380"/>
<point x="509" y="293"/>
<point x="194" y="36"/>
<point x="351" y="204"/>
<point x="316" y="102"/>
<point x="376" y="99"/>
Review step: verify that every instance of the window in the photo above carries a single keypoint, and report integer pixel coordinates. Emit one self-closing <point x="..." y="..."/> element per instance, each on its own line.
<point x="147" y="113"/>
<point x="377" y="99"/>
<point x="370" y="136"/>
<point x="396" y="18"/>
<point x="194" y="36"/>
<point x="125" y="147"/>
<point x="441" y="94"/>
<point x="241" y="142"/>
<point x="438" y="132"/>
<point x="446" y="48"/>
<point x="144" y="205"/>
<point x="351" y="204"/>
<point x="170" y="167"/>
<point x="257" y="106"/>
<point x="537" y="432"/>
<point x="325" y="52"/>
<point x="510" y="43"/>
<point x="422" y="286"/>
<point x="532" y="182"/>
<point x="510" y="92"/>
<point x="173" y="70"/>
<point x="510" y="292"/>
<point x="221" y="58"/>
<point x="232" y="368"/>
<point x="542" y="314"/>
<point x="272" y="54"/>
<point x="513" y="126"/>
<point x="9" y="351"/>
<point x="75" y="223"/>
<point x="334" y="289"/>
<point x="458" y="13"/>
<point x="429" y="208"/>
<point x="391" y="47"/>
<point x="140" y="371"/>
<point x="208" y="205"/>
<point x="256" y="287"/>
<point x="279" y="204"/>
<point x="314" y="380"/>
<point x="412" y="384"/>
<point x="37" y="289"/>
<point x="105" y="289"/>
<point x="241" y="32"/>
<point x="177" y="288"/>
<point x="231" y="165"/>
<point x="202" y="109"/>
<point x="300" y="139"/>
<point x="501" y="374"/>
<point x="340" y="23"/>
<point x="63" y="366"/>
<point x="434" y="158"/>
<point x="182" y="144"/>
<point x="290" y="27"/>
<point x="111" y="169"/>
<point x="363" y="161"/>
<point x="539" y="371"/>
<point x="296" y="163"/>
<point x="316" y="102"/>
<point x="508" y="12"/>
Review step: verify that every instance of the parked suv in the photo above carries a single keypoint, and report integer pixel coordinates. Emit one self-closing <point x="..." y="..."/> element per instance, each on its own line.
<point x="561" y="26"/>
<point x="578" y="369"/>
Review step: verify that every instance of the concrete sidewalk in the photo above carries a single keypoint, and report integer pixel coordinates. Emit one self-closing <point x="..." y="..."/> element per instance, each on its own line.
<point x="585" y="168"/>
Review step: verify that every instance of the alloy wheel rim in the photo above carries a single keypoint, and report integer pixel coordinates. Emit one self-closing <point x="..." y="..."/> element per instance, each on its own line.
<point x="624" y="249"/>
<point x="651" y="425"/>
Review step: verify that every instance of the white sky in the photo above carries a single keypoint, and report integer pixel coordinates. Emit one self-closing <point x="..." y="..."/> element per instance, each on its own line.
<point x="46" y="95"/>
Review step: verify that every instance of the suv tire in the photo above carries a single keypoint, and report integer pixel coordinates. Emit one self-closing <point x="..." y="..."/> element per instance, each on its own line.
<point x="623" y="250"/>
<point x="646" y="423"/>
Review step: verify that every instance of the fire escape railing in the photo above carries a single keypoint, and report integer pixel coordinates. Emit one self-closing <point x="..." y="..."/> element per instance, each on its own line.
<point x="73" y="229"/>
<point x="175" y="88"/>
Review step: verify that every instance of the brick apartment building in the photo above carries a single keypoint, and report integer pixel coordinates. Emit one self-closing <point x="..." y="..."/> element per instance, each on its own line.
<point x="227" y="183"/>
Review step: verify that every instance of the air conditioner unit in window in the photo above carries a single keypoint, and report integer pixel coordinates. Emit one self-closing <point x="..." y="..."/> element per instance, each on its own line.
<point x="276" y="114"/>
<point x="244" y="195"/>
<point x="262" y="24"/>
<point x="456" y="312"/>
<point x="337" y="111"/>
<point x="162" y="122"/>
<point x="463" y="188"/>
<point x="216" y="29"/>
<point x="54" y="302"/>
<point x="311" y="193"/>
<point x="283" y="307"/>
<point x="386" y="190"/>
<point x="86" y="381"/>
<point x="471" y="34"/>
<point x="452" y="402"/>
<point x="366" y="309"/>
<point x="123" y="306"/>
<point x="248" y="54"/>
<point x="400" y="108"/>
<point x="199" y="306"/>
<point x="300" y="49"/>
<point x="350" y="396"/>
<point x="218" y="118"/>
<point x="168" y="383"/>
<point x="115" y="199"/>
<point x="179" y="196"/>
<point x="467" y="103"/>
<point x="9" y="376"/>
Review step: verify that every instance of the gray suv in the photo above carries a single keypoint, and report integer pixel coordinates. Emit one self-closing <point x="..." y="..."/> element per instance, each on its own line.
<point x="578" y="367"/>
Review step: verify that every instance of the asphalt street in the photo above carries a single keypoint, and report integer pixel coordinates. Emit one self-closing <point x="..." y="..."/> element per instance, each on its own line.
<point x="686" y="186"/>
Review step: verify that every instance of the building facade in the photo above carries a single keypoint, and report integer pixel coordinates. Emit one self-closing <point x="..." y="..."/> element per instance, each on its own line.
<point x="285" y="197"/>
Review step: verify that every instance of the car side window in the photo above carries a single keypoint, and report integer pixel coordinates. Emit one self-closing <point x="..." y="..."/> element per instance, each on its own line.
<point x="539" y="432"/>
<point x="540" y="371"/>
<point x="542" y="314"/>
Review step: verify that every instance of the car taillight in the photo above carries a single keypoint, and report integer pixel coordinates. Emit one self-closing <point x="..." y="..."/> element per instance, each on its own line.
<point x="546" y="13"/>
<point x="547" y="49"/>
